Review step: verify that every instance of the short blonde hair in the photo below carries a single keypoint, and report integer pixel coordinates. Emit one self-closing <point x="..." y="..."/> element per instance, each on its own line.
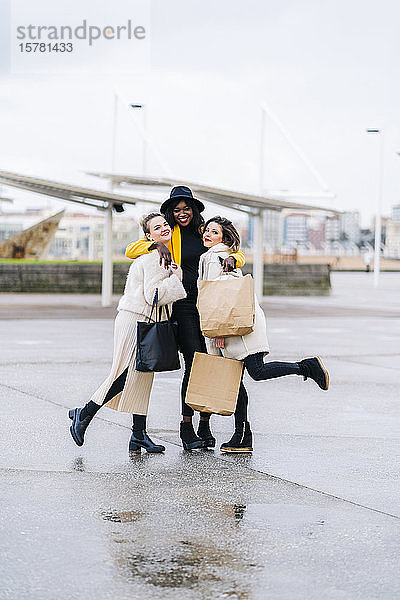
<point x="145" y="221"/>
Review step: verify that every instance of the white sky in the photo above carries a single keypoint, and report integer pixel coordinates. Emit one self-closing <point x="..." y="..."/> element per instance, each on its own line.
<point x="327" y="68"/>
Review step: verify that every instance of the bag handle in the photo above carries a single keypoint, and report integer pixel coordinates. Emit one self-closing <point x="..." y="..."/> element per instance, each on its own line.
<point x="154" y="305"/>
<point x="159" y="308"/>
<point x="166" y="312"/>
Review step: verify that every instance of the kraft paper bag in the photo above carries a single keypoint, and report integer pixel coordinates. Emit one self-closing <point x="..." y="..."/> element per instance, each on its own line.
<point x="214" y="384"/>
<point x="226" y="306"/>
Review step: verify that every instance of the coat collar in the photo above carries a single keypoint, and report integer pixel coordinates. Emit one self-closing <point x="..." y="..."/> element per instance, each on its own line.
<point x="218" y="248"/>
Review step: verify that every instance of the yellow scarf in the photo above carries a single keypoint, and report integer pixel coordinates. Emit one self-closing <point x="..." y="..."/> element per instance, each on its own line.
<point x="175" y="244"/>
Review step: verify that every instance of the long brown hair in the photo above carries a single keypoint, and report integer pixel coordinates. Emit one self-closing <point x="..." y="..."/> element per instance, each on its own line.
<point x="230" y="235"/>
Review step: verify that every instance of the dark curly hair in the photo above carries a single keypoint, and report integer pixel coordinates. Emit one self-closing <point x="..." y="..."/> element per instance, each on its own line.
<point x="196" y="224"/>
<point x="230" y="235"/>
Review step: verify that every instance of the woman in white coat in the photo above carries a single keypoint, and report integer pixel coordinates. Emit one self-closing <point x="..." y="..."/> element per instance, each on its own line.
<point x="221" y="238"/>
<point x="126" y="389"/>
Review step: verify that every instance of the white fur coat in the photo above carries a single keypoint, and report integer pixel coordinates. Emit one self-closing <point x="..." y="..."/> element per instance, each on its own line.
<point x="145" y="275"/>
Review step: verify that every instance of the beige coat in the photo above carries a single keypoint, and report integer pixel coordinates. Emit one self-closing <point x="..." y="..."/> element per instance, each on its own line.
<point x="144" y="277"/>
<point x="240" y="346"/>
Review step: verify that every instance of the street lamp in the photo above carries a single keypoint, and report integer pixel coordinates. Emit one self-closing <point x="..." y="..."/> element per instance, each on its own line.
<point x="378" y="218"/>
<point x="134" y="106"/>
<point x="144" y="156"/>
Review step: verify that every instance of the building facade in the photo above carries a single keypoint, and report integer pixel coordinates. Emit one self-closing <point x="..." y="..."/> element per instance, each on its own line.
<point x="79" y="235"/>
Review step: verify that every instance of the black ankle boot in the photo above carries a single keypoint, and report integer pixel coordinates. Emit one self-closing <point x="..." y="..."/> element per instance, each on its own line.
<point x="241" y="441"/>
<point x="78" y="426"/>
<point x="315" y="369"/>
<point x="204" y="432"/>
<point x="142" y="440"/>
<point x="190" y="441"/>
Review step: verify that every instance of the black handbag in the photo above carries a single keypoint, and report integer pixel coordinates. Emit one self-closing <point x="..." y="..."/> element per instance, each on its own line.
<point x="157" y="343"/>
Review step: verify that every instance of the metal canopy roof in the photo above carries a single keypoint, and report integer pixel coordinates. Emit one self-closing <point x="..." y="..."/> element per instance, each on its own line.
<point x="72" y="193"/>
<point x="248" y="203"/>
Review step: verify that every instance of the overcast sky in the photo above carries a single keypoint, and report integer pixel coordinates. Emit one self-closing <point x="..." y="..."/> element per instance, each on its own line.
<point x="327" y="68"/>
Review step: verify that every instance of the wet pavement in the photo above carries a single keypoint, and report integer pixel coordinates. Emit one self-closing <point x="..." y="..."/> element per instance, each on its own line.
<point x="314" y="513"/>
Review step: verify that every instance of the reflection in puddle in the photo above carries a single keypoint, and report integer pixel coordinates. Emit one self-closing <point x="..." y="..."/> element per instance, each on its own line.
<point x="236" y="511"/>
<point x="302" y="518"/>
<point x="125" y="516"/>
<point x="79" y="464"/>
<point x="239" y="510"/>
<point x="162" y="550"/>
<point x="186" y="564"/>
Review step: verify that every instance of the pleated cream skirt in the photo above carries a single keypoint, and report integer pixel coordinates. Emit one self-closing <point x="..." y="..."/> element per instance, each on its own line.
<point x="136" y="393"/>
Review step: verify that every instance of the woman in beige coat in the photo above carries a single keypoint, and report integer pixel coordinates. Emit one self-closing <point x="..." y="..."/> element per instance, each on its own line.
<point x="221" y="238"/>
<point x="126" y="389"/>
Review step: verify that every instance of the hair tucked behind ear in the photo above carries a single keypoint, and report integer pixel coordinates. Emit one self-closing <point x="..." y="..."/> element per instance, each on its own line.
<point x="230" y="235"/>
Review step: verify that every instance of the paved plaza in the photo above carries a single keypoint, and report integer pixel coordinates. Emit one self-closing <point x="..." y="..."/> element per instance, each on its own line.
<point x="313" y="514"/>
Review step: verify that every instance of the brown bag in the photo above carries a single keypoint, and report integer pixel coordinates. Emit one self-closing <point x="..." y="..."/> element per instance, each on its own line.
<point x="214" y="384"/>
<point x="226" y="306"/>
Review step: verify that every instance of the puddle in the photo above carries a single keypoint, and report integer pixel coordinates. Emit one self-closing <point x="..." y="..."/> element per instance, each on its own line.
<point x="284" y="516"/>
<point x="235" y="511"/>
<point x="125" y="516"/>
<point x="186" y="564"/>
<point x="79" y="464"/>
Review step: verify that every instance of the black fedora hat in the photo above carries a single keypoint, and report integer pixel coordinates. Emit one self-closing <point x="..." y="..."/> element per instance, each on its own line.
<point x="178" y="193"/>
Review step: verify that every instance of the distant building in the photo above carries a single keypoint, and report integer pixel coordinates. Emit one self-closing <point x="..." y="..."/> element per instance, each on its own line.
<point x="349" y="223"/>
<point x="13" y="222"/>
<point x="33" y="242"/>
<point x="332" y="229"/>
<point x="272" y="229"/>
<point x="343" y="228"/>
<point x="295" y="229"/>
<point x="392" y="240"/>
<point x="396" y="212"/>
<point x="316" y="235"/>
<point x="78" y="237"/>
<point x="384" y="222"/>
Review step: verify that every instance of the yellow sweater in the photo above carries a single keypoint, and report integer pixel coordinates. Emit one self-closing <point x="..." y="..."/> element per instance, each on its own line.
<point x="142" y="246"/>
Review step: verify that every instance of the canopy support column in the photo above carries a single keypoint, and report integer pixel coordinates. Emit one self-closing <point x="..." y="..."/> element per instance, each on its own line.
<point x="258" y="255"/>
<point x="107" y="272"/>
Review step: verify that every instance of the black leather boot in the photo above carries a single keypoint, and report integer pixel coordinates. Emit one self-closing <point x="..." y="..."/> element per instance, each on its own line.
<point x="142" y="440"/>
<point x="315" y="369"/>
<point x="204" y="432"/>
<point x="78" y="426"/>
<point x="190" y="441"/>
<point x="241" y="441"/>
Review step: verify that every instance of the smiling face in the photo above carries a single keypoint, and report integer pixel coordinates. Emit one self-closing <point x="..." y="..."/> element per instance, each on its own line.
<point x="212" y="234"/>
<point x="183" y="213"/>
<point x="159" y="230"/>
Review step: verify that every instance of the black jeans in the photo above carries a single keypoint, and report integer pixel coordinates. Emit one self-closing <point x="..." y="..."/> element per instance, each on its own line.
<point x="260" y="371"/>
<point x="190" y="340"/>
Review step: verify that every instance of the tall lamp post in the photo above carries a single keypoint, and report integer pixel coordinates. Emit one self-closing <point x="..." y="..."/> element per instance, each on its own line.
<point x="144" y="155"/>
<point x="107" y="270"/>
<point x="378" y="217"/>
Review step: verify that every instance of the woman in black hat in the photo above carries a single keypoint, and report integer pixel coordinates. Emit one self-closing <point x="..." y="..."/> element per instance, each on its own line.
<point x="183" y="213"/>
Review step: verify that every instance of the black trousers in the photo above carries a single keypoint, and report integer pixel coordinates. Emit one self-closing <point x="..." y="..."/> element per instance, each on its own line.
<point x="260" y="371"/>
<point x="190" y="340"/>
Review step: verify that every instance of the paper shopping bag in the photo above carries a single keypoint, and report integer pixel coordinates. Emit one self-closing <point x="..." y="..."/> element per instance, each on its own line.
<point x="214" y="384"/>
<point x="226" y="306"/>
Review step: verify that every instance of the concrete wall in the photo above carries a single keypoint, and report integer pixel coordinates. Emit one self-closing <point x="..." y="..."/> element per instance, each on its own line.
<point x="295" y="280"/>
<point x="281" y="280"/>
